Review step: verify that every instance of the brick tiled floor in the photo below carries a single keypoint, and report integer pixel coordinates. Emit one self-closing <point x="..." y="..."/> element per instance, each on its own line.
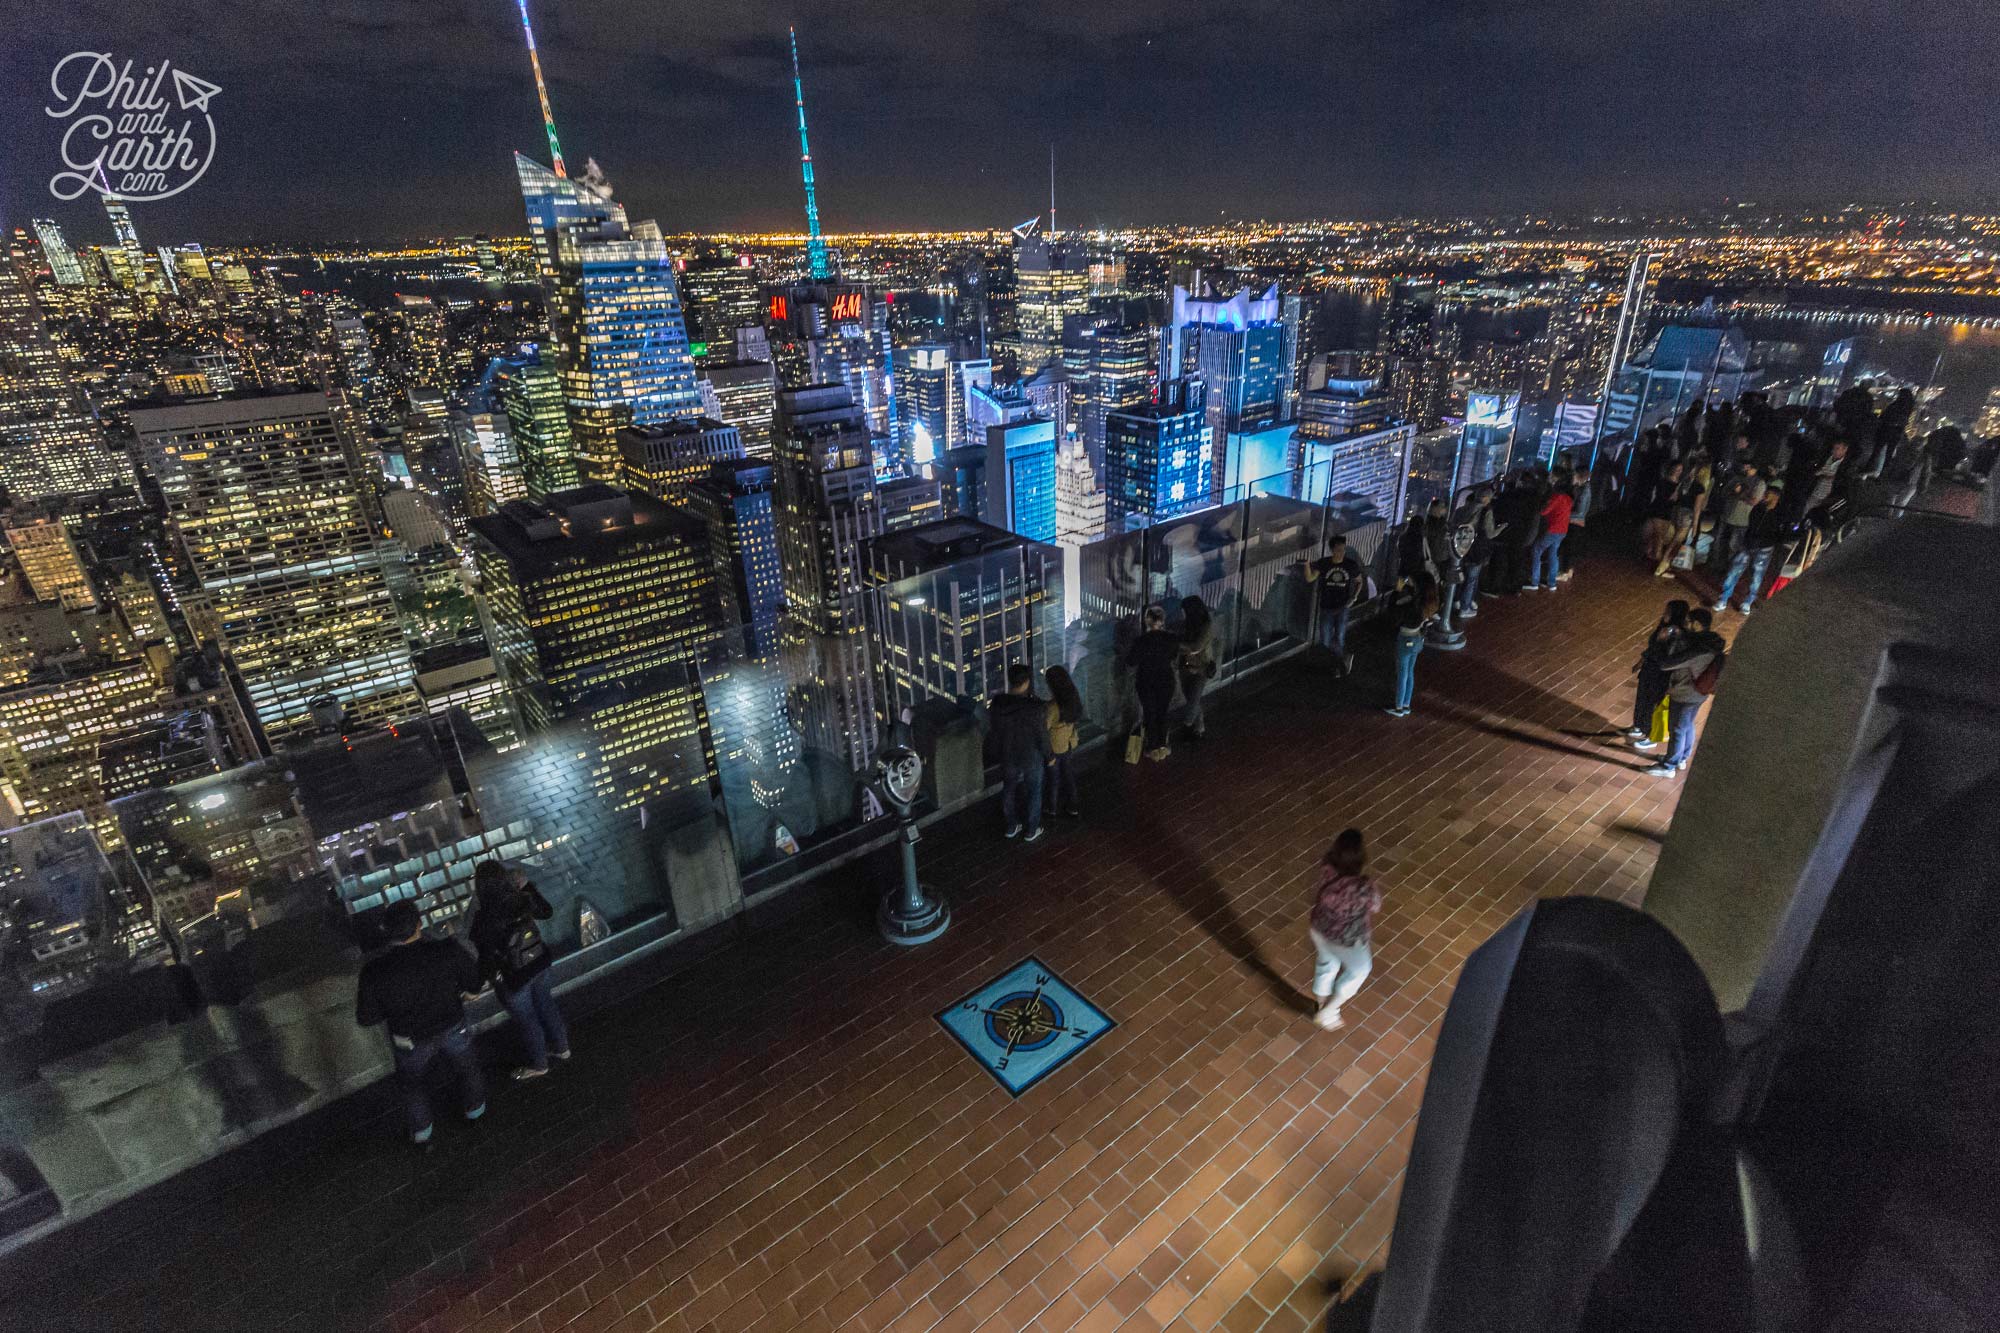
<point x="783" y="1138"/>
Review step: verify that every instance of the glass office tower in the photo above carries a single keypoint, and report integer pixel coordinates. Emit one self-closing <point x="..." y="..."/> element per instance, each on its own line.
<point x="1156" y="458"/>
<point x="269" y="499"/>
<point x="615" y="322"/>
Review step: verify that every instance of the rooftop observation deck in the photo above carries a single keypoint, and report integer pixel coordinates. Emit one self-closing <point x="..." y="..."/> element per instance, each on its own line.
<point x="781" y="1136"/>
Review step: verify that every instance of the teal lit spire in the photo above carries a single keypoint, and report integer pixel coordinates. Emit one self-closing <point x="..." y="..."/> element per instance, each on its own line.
<point x="542" y="91"/>
<point x="816" y="265"/>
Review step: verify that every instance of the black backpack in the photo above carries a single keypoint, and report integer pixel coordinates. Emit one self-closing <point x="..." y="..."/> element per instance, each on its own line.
<point x="523" y="947"/>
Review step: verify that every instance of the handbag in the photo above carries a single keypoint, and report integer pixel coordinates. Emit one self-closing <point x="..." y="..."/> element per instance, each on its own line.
<point x="1134" y="748"/>
<point x="1659" y="730"/>
<point x="1684" y="558"/>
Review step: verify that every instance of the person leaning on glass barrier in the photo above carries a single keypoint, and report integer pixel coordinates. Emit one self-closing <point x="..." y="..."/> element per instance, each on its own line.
<point x="417" y="988"/>
<point x="513" y="953"/>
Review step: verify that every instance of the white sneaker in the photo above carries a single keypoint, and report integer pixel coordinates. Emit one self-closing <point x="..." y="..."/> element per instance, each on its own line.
<point x="1645" y="743"/>
<point x="1662" y="770"/>
<point x="1329" y="1017"/>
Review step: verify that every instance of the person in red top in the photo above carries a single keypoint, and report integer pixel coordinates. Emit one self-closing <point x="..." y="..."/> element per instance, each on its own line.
<point x="1555" y="527"/>
<point x="1345" y="901"/>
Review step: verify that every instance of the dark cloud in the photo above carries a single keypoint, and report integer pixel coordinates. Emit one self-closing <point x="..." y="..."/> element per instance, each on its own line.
<point x="381" y="118"/>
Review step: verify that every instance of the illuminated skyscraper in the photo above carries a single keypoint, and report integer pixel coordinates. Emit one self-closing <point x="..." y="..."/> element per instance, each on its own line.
<point x="1118" y="366"/>
<point x="721" y="298"/>
<point x="63" y="265"/>
<point x="663" y="461"/>
<point x="50" y="440"/>
<point x="839" y="334"/>
<point x="487" y="460"/>
<point x="1021" y="477"/>
<point x="734" y="502"/>
<point x="1079" y="498"/>
<point x="746" y="396"/>
<point x="49" y="560"/>
<point x="1156" y="457"/>
<point x="599" y="600"/>
<point x="529" y="392"/>
<point x="828" y="503"/>
<point x="621" y="348"/>
<point x="923" y="401"/>
<point x="126" y="256"/>
<point x="966" y="377"/>
<point x="953" y="604"/>
<point x="1052" y="280"/>
<point x="270" y="502"/>
<point x="1243" y="348"/>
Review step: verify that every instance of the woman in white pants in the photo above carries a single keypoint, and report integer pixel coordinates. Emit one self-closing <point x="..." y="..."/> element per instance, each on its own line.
<point x="1345" y="901"/>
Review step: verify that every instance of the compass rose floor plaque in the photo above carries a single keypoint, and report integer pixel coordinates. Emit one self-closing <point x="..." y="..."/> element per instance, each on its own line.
<point x="1023" y="1024"/>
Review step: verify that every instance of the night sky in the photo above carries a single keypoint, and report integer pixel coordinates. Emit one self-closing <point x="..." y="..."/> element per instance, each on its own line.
<point x="381" y="119"/>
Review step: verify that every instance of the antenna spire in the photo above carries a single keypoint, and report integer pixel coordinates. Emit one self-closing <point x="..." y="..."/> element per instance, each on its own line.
<point x="542" y="91"/>
<point x="1052" y="191"/>
<point x="816" y="265"/>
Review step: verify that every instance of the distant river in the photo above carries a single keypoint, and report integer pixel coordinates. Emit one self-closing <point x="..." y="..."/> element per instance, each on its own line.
<point x="1964" y="353"/>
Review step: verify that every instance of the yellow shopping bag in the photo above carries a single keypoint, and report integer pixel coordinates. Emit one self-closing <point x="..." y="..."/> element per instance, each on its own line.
<point x="1658" y="732"/>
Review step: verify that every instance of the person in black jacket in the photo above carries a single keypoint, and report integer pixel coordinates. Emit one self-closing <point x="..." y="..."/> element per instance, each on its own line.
<point x="1662" y="643"/>
<point x="1153" y="657"/>
<point x="1020" y="724"/>
<point x="513" y="953"/>
<point x="1767" y="530"/>
<point x="417" y="988"/>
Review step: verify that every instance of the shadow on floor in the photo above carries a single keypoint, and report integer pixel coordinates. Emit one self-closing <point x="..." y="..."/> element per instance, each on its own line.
<point x="1160" y="853"/>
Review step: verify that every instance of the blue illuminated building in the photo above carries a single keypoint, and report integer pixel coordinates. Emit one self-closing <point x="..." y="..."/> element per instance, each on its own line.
<point x="616" y="329"/>
<point x="734" y="504"/>
<point x="1021" y="477"/>
<point x="1242" y="348"/>
<point x="1156" y="457"/>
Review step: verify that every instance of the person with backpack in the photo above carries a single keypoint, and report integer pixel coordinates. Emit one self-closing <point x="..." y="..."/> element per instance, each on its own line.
<point x="1020" y="724"/>
<point x="1197" y="664"/>
<point x="1693" y="669"/>
<point x="1340" y="579"/>
<point x="1065" y="716"/>
<point x="512" y="952"/>
<point x="1652" y="685"/>
<point x="1345" y="901"/>
<point x="417" y="989"/>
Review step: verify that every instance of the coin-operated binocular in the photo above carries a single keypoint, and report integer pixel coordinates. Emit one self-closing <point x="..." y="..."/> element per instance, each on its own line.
<point x="910" y="913"/>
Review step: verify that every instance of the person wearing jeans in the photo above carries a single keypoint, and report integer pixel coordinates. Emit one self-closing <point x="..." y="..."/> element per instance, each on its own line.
<point x="513" y="953"/>
<point x="1680" y="732"/>
<point x="1020" y="724"/>
<point x="1698" y="648"/>
<point x="1407" y="613"/>
<point x="1345" y="901"/>
<point x="1339" y="578"/>
<point x="1542" y="565"/>
<point x="539" y="1020"/>
<point x="1762" y="536"/>
<point x="416" y="988"/>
